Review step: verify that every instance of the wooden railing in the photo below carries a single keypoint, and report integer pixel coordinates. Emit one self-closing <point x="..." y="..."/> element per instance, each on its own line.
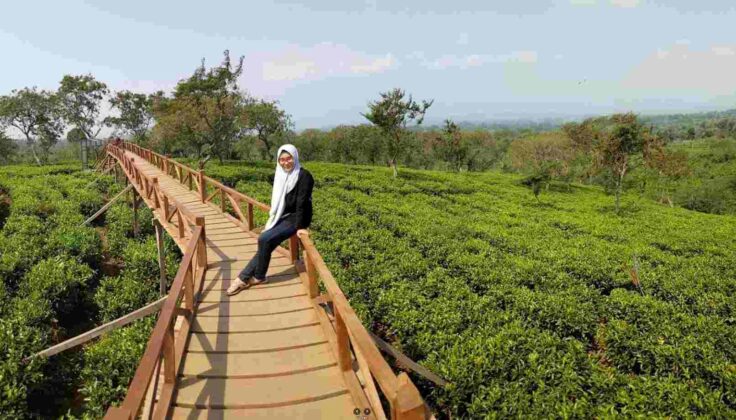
<point x="162" y="346"/>
<point x="210" y="189"/>
<point x="403" y="396"/>
<point x="150" y="190"/>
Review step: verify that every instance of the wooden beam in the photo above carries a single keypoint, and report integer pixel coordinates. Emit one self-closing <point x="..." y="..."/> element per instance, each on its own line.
<point x="112" y="325"/>
<point x="161" y="256"/>
<point x="106" y="206"/>
<point x="406" y="361"/>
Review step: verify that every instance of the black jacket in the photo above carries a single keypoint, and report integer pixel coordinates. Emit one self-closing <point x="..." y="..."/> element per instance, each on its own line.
<point x="298" y="202"/>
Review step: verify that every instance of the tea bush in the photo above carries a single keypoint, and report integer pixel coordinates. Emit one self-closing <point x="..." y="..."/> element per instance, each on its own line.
<point x="528" y="308"/>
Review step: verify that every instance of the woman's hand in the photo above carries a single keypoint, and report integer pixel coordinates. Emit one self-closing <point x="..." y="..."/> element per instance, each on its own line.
<point x="302" y="232"/>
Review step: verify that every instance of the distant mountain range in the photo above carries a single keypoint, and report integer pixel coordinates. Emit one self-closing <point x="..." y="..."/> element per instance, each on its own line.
<point x="542" y="124"/>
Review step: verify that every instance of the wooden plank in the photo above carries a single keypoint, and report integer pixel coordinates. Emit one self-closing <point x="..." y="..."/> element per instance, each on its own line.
<point x="239" y="264"/>
<point x="273" y="281"/>
<point x="253" y="365"/>
<point x="231" y="273"/>
<point x="256" y="341"/>
<point x="254" y="323"/>
<point x="265" y="307"/>
<point x="107" y="205"/>
<point x="252" y="294"/>
<point x="112" y="325"/>
<point x="232" y="242"/>
<point x="406" y="361"/>
<point x="339" y="407"/>
<point x="260" y="392"/>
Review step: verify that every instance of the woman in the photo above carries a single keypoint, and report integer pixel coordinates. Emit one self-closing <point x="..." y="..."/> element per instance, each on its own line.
<point x="291" y="212"/>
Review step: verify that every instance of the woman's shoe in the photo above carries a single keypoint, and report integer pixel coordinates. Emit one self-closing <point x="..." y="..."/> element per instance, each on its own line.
<point x="236" y="286"/>
<point x="255" y="282"/>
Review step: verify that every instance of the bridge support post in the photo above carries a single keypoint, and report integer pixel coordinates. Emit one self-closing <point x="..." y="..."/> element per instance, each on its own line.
<point x="136" y="229"/>
<point x="294" y="248"/>
<point x="311" y="275"/>
<point x="202" y="186"/>
<point x="407" y="403"/>
<point x="161" y="256"/>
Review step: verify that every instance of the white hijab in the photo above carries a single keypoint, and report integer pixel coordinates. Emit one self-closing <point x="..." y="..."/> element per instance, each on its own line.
<point x="283" y="182"/>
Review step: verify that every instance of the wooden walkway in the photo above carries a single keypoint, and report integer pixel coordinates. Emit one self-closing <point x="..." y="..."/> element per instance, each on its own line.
<point x="261" y="353"/>
<point x="282" y="349"/>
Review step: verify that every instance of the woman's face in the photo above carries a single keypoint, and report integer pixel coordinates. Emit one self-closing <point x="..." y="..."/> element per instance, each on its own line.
<point x="286" y="161"/>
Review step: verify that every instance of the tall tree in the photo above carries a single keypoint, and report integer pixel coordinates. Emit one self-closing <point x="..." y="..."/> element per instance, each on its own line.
<point x="613" y="141"/>
<point x="215" y="100"/>
<point x="267" y="121"/>
<point x="37" y="115"/>
<point x="392" y="113"/>
<point x="136" y="114"/>
<point x="450" y="147"/>
<point x="81" y="97"/>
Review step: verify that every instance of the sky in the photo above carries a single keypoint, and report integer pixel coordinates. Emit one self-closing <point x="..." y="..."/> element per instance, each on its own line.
<point x="325" y="60"/>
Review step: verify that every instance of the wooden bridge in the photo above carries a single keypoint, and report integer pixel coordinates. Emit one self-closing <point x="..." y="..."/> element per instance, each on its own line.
<point x="277" y="350"/>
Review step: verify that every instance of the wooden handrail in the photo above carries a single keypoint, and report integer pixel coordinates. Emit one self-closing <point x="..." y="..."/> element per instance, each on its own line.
<point x="147" y="184"/>
<point x="149" y="309"/>
<point x="401" y="392"/>
<point x="162" y="334"/>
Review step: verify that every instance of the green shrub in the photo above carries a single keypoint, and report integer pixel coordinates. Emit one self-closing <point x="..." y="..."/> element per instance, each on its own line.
<point x="141" y="259"/>
<point x="18" y="341"/>
<point x="78" y="241"/>
<point x="60" y="280"/>
<point x="118" y="296"/>
<point x="110" y="364"/>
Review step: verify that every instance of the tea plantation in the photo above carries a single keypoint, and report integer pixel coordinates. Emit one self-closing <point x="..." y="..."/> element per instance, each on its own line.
<point x="60" y="279"/>
<point x="529" y="309"/>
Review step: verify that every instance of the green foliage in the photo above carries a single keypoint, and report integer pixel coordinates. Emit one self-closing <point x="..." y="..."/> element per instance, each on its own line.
<point x="37" y="115"/>
<point x="529" y="310"/>
<point x="392" y="113"/>
<point x="80" y="98"/>
<point x="267" y="121"/>
<point x="110" y="364"/>
<point x="136" y="114"/>
<point x="8" y="147"/>
<point x="81" y="242"/>
<point x="17" y="341"/>
<point x="62" y="282"/>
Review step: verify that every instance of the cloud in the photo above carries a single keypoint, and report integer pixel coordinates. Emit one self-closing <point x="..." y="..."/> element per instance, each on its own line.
<point x="681" y="69"/>
<point x="377" y="65"/>
<point x="270" y="74"/>
<point x="474" y="60"/>
<point x="627" y="4"/>
<point x="583" y="2"/>
<point x="318" y="61"/>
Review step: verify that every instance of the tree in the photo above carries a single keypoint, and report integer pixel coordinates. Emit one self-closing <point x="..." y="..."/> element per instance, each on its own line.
<point x="211" y="102"/>
<point x="450" y="147"/>
<point x="178" y="125"/>
<point x="80" y="98"/>
<point x="37" y="115"/>
<point x="613" y="141"/>
<point x="136" y="114"/>
<point x="392" y="114"/>
<point x="266" y="120"/>
<point x="544" y="156"/>
<point x="8" y="148"/>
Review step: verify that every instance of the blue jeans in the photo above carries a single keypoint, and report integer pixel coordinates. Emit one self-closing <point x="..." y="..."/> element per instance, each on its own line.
<point x="267" y="242"/>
